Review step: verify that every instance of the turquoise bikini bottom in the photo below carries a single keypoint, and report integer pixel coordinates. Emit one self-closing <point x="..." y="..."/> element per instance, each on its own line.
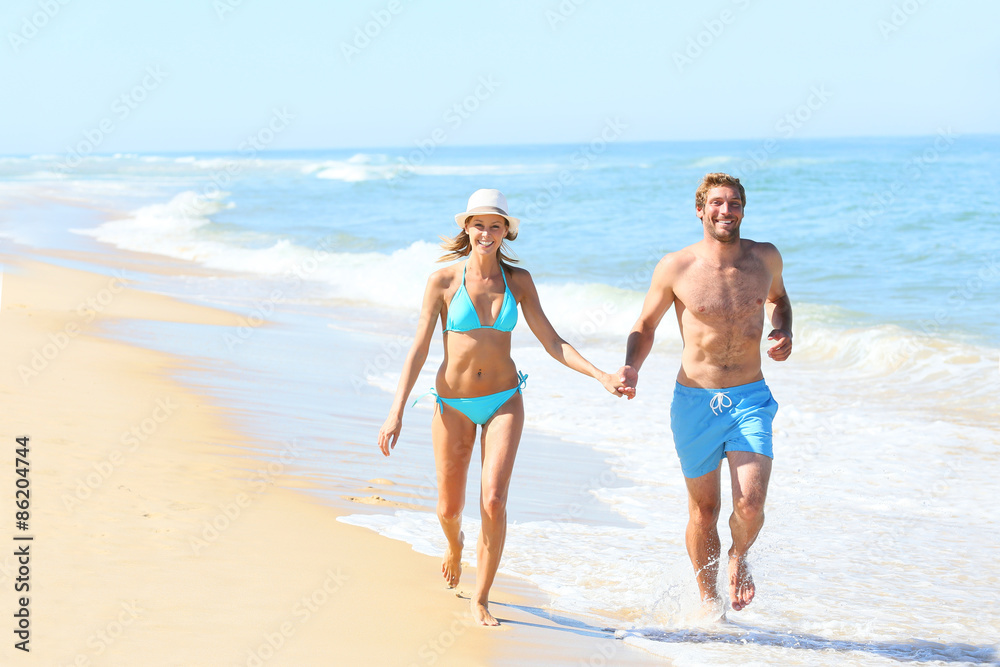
<point x="478" y="409"/>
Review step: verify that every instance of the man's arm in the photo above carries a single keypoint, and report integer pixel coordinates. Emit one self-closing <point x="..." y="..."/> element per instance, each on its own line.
<point x="658" y="300"/>
<point x="778" y="308"/>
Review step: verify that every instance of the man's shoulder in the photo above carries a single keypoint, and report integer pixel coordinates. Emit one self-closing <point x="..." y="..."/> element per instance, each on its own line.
<point x="759" y="247"/>
<point x="677" y="260"/>
<point x="765" y="252"/>
<point x="671" y="268"/>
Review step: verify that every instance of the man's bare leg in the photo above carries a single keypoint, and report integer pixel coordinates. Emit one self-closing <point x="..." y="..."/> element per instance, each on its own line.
<point x="702" y="534"/>
<point x="750" y="474"/>
<point x="500" y="439"/>
<point x="453" y="436"/>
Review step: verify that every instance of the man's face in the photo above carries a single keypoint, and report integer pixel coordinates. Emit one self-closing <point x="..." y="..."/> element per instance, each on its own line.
<point x="722" y="214"/>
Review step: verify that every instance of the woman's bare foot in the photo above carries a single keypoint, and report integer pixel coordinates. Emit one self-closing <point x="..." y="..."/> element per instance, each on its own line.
<point x="741" y="587"/>
<point x="451" y="565"/>
<point x="481" y="614"/>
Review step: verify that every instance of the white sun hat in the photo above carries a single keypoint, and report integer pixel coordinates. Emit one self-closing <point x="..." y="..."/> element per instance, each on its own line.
<point x="487" y="202"/>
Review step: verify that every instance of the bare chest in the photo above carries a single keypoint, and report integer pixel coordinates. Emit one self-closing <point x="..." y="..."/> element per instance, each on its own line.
<point x="732" y="294"/>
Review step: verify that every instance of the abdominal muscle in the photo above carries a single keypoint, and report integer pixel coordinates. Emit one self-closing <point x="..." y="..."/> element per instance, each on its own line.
<point x="476" y="363"/>
<point x="714" y="359"/>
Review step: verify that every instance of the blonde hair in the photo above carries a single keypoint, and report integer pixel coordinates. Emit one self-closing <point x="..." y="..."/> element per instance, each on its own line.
<point x="460" y="246"/>
<point x="716" y="180"/>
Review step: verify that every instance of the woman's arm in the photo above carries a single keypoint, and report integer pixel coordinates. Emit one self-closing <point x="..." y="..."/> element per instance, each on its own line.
<point x="429" y="312"/>
<point x="546" y="334"/>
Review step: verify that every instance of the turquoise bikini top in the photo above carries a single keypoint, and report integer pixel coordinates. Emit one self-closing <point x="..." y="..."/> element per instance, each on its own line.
<point x="462" y="314"/>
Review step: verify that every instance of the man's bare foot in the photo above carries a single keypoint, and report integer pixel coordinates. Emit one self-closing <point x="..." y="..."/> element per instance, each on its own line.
<point x="741" y="588"/>
<point x="710" y="612"/>
<point x="451" y="565"/>
<point x="482" y="615"/>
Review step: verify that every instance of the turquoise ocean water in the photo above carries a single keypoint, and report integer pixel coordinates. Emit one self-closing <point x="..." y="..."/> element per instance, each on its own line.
<point x="880" y="541"/>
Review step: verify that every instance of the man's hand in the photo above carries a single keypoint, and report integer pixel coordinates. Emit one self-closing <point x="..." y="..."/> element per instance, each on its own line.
<point x="611" y="382"/>
<point x="782" y="346"/>
<point x="629" y="378"/>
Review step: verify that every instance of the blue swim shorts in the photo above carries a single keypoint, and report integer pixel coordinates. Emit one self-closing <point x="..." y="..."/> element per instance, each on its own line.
<point x="707" y="423"/>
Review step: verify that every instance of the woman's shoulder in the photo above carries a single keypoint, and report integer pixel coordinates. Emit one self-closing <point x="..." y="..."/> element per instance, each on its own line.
<point x="517" y="273"/>
<point x="519" y="281"/>
<point x="445" y="276"/>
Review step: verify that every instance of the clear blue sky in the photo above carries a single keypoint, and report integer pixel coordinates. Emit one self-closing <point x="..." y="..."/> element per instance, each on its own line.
<point x="204" y="74"/>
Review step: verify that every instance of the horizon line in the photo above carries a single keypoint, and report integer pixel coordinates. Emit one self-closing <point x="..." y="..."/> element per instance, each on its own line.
<point x="266" y="151"/>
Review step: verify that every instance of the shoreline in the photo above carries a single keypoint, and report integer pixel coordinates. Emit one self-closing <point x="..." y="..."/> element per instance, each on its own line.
<point x="152" y="540"/>
<point x="879" y="474"/>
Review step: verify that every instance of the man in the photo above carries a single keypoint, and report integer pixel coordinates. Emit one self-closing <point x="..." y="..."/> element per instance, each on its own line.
<point x="720" y="288"/>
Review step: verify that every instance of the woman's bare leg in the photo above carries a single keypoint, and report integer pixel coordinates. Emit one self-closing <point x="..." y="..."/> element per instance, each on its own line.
<point x="500" y="439"/>
<point x="454" y="437"/>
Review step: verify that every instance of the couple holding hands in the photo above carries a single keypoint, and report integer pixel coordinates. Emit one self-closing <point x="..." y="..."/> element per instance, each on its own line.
<point x="721" y="288"/>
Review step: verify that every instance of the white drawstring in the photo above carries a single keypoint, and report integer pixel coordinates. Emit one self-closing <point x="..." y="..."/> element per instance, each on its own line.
<point x="719" y="402"/>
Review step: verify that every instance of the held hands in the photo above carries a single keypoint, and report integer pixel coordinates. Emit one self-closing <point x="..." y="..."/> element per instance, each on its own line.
<point x="389" y="434"/>
<point x="783" y="345"/>
<point x="625" y="381"/>
<point x="611" y="382"/>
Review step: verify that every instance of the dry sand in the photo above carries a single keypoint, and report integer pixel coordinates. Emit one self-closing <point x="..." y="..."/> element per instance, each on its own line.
<point x="162" y="536"/>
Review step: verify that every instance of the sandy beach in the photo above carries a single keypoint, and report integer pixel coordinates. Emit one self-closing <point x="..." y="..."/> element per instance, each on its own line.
<point x="162" y="536"/>
<point x="218" y="224"/>
<point x="205" y="487"/>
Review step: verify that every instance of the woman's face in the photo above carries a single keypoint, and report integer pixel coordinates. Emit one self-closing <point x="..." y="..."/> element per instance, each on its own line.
<point x="486" y="232"/>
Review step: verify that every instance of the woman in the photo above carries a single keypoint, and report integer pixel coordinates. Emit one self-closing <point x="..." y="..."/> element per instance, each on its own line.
<point x="478" y="383"/>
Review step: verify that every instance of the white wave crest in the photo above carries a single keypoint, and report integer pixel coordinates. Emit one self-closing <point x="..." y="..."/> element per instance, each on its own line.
<point x="373" y="167"/>
<point x="164" y="229"/>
